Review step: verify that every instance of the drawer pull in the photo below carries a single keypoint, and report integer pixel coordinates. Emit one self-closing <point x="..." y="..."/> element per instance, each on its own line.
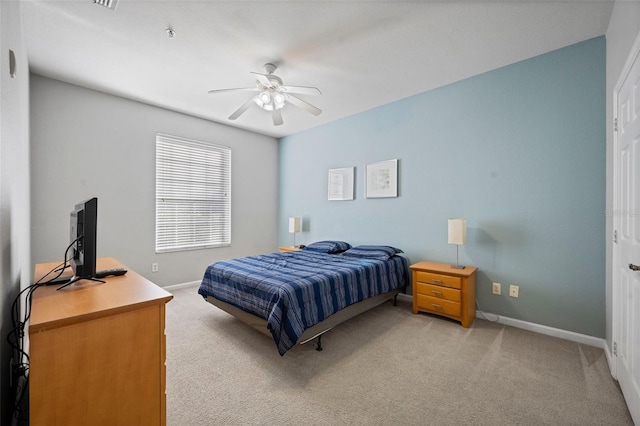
<point x="437" y="281"/>
<point x="436" y="292"/>
<point x="436" y="306"/>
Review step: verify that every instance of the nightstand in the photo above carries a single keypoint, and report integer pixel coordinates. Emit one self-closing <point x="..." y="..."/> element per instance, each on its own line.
<point x="442" y="290"/>
<point x="284" y="249"/>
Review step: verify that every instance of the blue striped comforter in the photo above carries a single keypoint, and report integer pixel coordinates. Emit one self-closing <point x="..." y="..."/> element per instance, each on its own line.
<point x="293" y="291"/>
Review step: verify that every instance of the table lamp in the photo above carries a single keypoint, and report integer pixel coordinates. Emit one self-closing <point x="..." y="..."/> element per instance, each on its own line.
<point x="295" y="225"/>
<point x="457" y="236"/>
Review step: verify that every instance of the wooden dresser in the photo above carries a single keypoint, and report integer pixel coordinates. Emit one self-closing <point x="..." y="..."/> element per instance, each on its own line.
<point x="440" y="289"/>
<point x="97" y="351"/>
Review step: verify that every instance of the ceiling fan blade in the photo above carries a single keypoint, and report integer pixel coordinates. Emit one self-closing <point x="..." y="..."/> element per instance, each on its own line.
<point x="303" y="105"/>
<point x="277" y="117"/>
<point x="242" y="109"/>
<point x="240" y="89"/>
<point x="302" y="90"/>
<point x="263" y="79"/>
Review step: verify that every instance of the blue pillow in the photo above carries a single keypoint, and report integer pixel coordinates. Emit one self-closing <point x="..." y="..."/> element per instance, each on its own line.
<point x="373" y="252"/>
<point x="328" y="246"/>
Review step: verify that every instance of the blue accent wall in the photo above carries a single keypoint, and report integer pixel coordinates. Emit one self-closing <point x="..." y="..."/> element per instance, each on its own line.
<point x="519" y="152"/>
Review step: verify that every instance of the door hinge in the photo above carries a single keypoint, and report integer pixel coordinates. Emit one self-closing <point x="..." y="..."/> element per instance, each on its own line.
<point x="615" y="124"/>
<point x="615" y="236"/>
<point x="615" y="348"/>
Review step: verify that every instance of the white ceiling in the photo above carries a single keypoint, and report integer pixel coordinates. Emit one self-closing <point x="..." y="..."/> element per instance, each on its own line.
<point x="360" y="54"/>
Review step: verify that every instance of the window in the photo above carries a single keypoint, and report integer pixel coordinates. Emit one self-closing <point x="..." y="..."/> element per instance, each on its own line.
<point x="193" y="194"/>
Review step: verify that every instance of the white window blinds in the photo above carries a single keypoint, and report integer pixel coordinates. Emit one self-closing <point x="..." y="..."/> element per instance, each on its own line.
<point x="193" y="194"/>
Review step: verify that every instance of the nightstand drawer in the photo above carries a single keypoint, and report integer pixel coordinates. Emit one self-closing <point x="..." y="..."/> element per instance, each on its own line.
<point x="438" y="279"/>
<point x="436" y="305"/>
<point x="438" y="291"/>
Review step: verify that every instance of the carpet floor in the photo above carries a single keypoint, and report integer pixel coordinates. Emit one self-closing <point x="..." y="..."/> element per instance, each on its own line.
<point x="384" y="367"/>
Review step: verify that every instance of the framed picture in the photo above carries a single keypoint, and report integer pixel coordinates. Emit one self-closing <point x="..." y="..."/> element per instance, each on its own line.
<point x="340" y="184"/>
<point x="381" y="179"/>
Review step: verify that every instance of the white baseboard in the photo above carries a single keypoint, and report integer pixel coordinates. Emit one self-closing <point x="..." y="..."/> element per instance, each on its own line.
<point x="610" y="360"/>
<point x="543" y="329"/>
<point x="170" y="288"/>
<point x="549" y="331"/>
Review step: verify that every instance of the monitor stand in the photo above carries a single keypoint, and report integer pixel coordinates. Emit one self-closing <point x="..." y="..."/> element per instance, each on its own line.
<point x="74" y="279"/>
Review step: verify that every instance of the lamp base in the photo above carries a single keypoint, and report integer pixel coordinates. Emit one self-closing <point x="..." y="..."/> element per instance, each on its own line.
<point x="456" y="266"/>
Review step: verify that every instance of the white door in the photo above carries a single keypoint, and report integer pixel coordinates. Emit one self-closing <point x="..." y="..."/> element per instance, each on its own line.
<point x="626" y="278"/>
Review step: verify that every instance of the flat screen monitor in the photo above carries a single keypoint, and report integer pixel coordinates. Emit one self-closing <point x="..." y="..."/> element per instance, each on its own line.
<point x="83" y="238"/>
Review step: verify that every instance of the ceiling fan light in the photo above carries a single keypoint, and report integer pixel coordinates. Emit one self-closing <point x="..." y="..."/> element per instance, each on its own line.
<point x="265" y="97"/>
<point x="267" y="102"/>
<point x="261" y="100"/>
<point x="278" y="100"/>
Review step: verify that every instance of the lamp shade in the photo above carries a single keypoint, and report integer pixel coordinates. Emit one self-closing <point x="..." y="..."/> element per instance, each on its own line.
<point x="457" y="231"/>
<point x="295" y="224"/>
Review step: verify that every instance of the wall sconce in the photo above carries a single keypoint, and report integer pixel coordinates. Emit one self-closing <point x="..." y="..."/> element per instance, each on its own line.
<point x="457" y="236"/>
<point x="295" y="225"/>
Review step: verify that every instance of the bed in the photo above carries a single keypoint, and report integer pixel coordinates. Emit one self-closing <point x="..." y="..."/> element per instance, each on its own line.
<point x="295" y="297"/>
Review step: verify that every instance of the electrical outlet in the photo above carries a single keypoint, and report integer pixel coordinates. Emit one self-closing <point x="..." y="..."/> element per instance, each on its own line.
<point x="154" y="267"/>
<point x="514" y="290"/>
<point x="496" y="289"/>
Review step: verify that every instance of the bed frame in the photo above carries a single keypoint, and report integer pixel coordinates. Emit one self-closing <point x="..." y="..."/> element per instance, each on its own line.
<point x="317" y="330"/>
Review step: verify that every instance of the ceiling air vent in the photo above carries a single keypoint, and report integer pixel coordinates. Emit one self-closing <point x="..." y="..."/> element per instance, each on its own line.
<point x="109" y="4"/>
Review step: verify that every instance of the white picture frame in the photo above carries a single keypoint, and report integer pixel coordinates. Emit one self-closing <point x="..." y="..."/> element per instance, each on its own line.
<point x="381" y="179"/>
<point x="340" y="184"/>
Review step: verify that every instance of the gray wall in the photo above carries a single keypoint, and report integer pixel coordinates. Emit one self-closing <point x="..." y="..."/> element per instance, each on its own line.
<point x="623" y="29"/>
<point x="519" y="152"/>
<point x="15" y="264"/>
<point x="86" y="143"/>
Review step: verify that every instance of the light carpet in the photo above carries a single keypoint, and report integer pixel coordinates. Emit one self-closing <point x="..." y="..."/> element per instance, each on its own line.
<point x="384" y="367"/>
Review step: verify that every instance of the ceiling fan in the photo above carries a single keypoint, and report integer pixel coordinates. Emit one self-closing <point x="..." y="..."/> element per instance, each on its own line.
<point x="273" y="95"/>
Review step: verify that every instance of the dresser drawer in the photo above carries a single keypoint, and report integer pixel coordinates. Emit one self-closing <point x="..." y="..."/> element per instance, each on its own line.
<point x="433" y="304"/>
<point x="438" y="291"/>
<point x="437" y="279"/>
